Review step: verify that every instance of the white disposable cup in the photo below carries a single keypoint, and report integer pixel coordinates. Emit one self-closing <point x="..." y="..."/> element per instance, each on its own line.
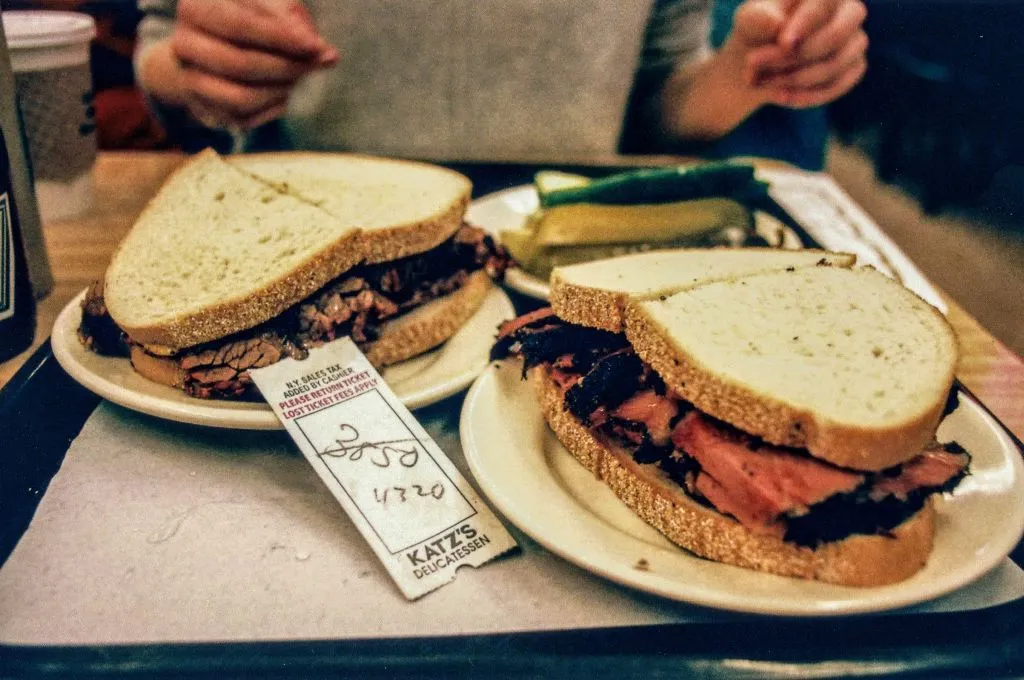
<point x="50" y="58"/>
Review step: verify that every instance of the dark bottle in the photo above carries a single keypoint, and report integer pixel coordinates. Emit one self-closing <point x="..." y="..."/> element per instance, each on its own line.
<point x="17" y="303"/>
<point x="17" y="299"/>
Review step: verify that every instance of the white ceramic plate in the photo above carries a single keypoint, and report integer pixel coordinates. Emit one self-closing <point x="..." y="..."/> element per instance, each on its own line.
<point x="827" y="213"/>
<point x="527" y="474"/>
<point x="417" y="382"/>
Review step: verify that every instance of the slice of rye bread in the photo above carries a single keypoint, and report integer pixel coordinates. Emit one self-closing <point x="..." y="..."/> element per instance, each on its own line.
<point x="595" y="293"/>
<point x="401" y="207"/>
<point x="846" y="363"/>
<point x="429" y="325"/>
<point x="406" y="336"/>
<point x="859" y="560"/>
<point x="217" y="251"/>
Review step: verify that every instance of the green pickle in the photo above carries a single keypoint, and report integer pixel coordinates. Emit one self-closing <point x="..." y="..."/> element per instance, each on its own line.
<point x="583" y="219"/>
<point x="592" y="224"/>
<point x="660" y="185"/>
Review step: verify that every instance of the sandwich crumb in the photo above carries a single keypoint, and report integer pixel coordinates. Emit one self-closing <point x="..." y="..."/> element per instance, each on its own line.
<point x="219" y="196"/>
<point x="642" y="565"/>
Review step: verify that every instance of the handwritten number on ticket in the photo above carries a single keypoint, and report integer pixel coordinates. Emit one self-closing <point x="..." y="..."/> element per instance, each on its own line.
<point x="419" y="514"/>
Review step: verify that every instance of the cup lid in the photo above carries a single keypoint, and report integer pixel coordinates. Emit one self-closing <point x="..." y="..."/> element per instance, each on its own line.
<point x="44" y="28"/>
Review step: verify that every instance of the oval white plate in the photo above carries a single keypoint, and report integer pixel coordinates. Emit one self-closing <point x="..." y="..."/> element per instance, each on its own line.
<point x="509" y="208"/>
<point x="523" y="469"/>
<point x="418" y="382"/>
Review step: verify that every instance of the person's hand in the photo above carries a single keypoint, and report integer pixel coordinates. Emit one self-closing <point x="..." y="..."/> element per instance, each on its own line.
<point x="811" y="53"/>
<point x="240" y="59"/>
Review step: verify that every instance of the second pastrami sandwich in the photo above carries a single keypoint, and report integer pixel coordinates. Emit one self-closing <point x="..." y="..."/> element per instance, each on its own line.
<point x="774" y="411"/>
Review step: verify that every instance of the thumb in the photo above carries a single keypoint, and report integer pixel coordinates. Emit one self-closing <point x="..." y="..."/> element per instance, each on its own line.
<point x="758" y="22"/>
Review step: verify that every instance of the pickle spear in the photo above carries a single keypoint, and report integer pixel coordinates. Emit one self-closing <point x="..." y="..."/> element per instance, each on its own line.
<point x="593" y="224"/>
<point x="580" y="233"/>
<point x="651" y="185"/>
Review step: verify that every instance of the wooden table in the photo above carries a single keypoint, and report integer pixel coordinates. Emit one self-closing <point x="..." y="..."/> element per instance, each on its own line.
<point x="79" y="250"/>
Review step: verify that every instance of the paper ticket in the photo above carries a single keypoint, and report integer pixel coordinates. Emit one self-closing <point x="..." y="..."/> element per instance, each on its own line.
<point x="418" y="513"/>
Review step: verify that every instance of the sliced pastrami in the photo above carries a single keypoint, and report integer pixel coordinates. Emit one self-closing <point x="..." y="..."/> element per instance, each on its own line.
<point x="933" y="468"/>
<point x="763" y="481"/>
<point x="806" y="501"/>
<point x="97" y="331"/>
<point x="528" y="320"/>
<point x="655" y="411"/>
<point x="221" y="371"/>
<point x="884" y="501"/>
<point x="612" y="380"/>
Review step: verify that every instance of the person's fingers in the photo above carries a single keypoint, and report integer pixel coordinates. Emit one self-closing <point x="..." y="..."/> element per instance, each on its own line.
<point x="299" y="9"/>
<point x="824" y="72"/>
<point x="808" y="17"/>
<point x="757" y="22"/>
<point x="253" y="25"/>
<point x="764" y="62"/>
<point x="328" y="58"/>
<point x="233" y="99"/>
<point x="828" y="40"/>
<point x="221" y="58"/>
<point x="819" y="96"/>
<point x="291" y="10"/>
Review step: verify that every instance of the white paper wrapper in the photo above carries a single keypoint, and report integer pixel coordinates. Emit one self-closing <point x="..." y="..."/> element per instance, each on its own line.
<point x="836" y="222"/>
<point x="159" y="532"/>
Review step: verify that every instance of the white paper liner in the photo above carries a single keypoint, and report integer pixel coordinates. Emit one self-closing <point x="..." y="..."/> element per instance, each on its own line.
<point x="158" y="532"/>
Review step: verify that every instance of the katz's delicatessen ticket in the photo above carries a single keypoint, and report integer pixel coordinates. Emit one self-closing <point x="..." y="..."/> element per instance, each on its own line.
<point x="414" y="508"/>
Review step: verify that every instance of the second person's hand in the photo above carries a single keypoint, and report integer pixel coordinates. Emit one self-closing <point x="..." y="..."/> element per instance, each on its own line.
<point x="819" y="54"/>
<point x="240" y="59"/>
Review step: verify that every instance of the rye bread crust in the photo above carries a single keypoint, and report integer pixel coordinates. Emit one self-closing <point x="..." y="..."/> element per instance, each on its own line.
<point x="774" y="421"/>
<point x="605" y="308"/>
<point x="384" y="245"/>
<point x="163" y="370"/>
<point x="859" y="560"/>
<point x="591" y="307"/>
<point x="430" y="325"/>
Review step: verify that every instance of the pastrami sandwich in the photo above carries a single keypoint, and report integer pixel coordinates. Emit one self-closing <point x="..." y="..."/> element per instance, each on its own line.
<point x="770" y="410"/>
<point x="238" y="263"/>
